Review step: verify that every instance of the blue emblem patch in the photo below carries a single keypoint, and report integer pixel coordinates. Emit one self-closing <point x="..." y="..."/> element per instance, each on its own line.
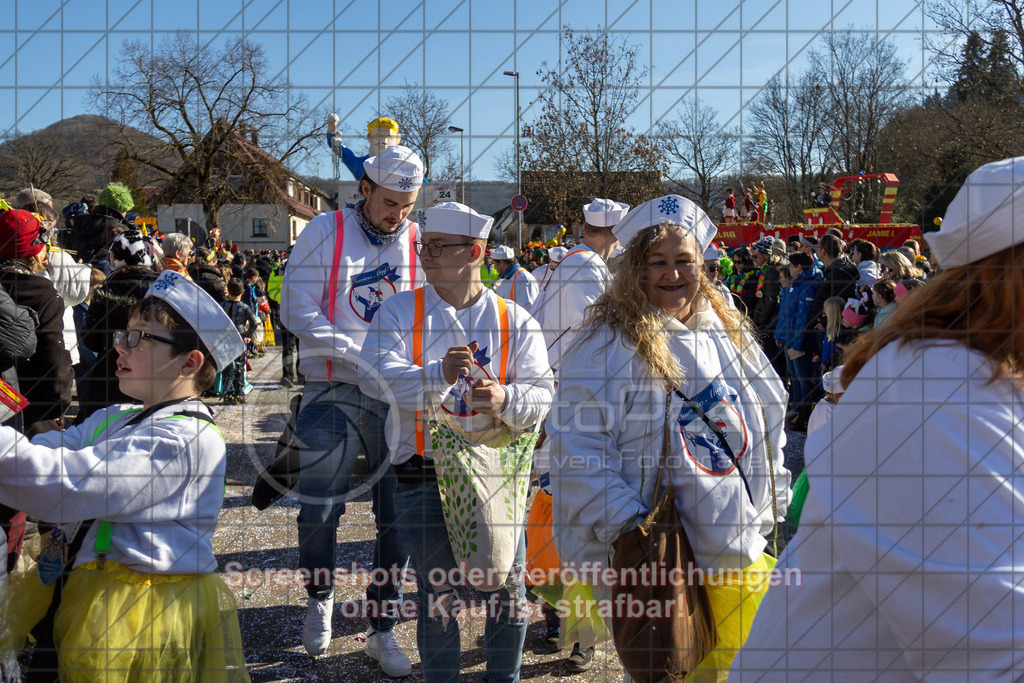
<point x="405" y="183"/>
<point x="668" y="206"/>
<point x="370" y="289"/>
<point x="700" y="442"/>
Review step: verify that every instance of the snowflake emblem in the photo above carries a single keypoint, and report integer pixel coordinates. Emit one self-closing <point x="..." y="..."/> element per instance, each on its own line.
<point x="163" y="284"/>
<point x="421" y="218"/>
<point x="405" y="183"/>
<point x="668" y="206"/>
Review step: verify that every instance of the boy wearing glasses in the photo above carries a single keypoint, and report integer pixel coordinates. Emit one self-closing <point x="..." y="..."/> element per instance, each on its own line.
<point x="439" y="349"/>
<point x="136" y="491"/>
<point x="344" y="266"/>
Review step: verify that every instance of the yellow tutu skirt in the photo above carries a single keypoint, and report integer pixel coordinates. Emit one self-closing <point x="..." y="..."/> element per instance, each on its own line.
<point x="118" y="625"/>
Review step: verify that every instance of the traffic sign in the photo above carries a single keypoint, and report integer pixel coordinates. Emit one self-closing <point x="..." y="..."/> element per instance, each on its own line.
<point x="519" y="203"/>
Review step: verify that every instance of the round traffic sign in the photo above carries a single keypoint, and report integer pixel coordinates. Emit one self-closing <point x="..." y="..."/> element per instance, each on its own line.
<point x="519" y="202"/>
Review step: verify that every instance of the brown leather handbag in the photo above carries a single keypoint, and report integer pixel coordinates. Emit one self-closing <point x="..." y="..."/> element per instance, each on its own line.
<point x="675" y="630"/>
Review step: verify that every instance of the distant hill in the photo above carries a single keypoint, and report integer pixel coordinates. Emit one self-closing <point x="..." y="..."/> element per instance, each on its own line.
<point x="82" y="141"/>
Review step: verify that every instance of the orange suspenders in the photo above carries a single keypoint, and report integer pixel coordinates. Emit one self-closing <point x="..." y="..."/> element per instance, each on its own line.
<point x="417" y="352"/>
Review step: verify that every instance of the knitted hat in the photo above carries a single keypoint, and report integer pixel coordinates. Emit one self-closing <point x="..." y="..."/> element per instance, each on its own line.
<point x="21" y="234"/>
<point x="132" y="248"/>
<point x="118" y="197"/>
<point x="763" y="245"/>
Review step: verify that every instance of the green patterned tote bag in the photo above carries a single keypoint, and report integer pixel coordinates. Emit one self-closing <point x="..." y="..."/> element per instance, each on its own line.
<point x="484" y="478"/>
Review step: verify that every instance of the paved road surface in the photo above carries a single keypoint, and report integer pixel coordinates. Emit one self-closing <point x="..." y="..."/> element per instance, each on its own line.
<point x="271" y="616"/>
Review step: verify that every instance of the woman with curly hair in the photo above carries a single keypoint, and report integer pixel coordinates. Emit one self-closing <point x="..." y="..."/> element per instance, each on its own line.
<point x="661" y="355"/>
<point x="910" y="547"/>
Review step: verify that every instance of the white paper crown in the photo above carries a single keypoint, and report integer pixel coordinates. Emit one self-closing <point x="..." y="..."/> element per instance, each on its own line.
<point x="202" y="313"/>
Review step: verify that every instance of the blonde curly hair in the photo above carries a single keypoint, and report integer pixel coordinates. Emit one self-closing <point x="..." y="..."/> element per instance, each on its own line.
<point x="626" y="310"/>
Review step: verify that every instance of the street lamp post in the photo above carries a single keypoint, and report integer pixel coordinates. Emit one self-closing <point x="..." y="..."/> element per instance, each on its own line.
<point x="462" y="161"/>
<point x="519" y="179"/>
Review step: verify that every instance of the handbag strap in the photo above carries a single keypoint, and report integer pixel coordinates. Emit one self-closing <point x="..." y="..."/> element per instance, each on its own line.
<point x="721" y="438"/>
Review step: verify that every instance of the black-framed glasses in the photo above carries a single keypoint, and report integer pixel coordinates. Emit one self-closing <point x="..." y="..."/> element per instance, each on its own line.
<point x="436" y="248"/>
<point x="133" y="338"/>
<point x="712" y="269"/>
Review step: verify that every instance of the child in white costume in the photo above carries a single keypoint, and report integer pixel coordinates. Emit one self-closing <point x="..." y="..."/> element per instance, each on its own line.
<point x="143" y="484"/>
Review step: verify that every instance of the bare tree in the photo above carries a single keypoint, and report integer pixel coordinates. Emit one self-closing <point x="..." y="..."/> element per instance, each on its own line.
<point x="198" y="99"/>
<point x="423" y="119"/>
<point x="865" y="86"/>
<point x="700" y="148"/>
<point x="581" y="137"/>
<point x="787" y="140"/>
<point x="40" y="160"/>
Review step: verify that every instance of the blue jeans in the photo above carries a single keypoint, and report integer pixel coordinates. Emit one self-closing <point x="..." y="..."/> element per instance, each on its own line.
<point x="422" y="528"/>
<point x="335" y="424"/>
<point x="801" y="378"/>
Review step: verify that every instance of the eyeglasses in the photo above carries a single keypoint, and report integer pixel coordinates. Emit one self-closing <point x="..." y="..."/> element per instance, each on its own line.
<point x="713" y="269"/>
<point x="132" y="338"/>
<point x="435" y="248"/>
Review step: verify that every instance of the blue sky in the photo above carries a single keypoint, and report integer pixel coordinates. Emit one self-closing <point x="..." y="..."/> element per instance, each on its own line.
<point x="351" y="55"/>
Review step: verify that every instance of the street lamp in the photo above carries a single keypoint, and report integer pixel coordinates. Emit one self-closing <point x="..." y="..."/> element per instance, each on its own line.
<point x="519" y="180"/>
<point x="462" y="167"/>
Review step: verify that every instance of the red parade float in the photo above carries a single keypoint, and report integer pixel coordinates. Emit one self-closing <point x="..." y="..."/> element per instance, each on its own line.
<point x="884" y="233"/>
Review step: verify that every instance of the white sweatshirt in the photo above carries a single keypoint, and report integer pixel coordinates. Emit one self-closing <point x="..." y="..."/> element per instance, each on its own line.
<point x="606" y="429"/>
<point x="367" y="276"/>
<point x="910" y="546"/>
<point x="388" y="373"/>
<point x="576" y="283"/>
<point x="518" y="285"/>
<point x="159" y="482"/>
<point x="71" y="280"/>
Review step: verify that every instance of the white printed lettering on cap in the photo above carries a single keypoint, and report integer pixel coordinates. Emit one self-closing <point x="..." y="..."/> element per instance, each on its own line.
<point x="202" y="313"/>
<point x="604" y="213"/>
<point x="982" y="218"/>
<point x="672" y="208"/>
<point x="502" y="253"/>
<point x="395" y="168"/>
<point x="453" y="218"/>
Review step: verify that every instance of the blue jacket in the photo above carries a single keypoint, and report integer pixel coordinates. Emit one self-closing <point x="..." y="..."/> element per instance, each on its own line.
<point x="795" y="309"/>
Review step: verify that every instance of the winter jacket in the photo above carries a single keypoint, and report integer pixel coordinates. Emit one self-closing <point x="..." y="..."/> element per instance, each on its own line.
<point x="766" y="310"/>
<point x="839" y="279"/>
<point x="45" y="377"/>
<point x="210" y="281"/>
<point x="795" y="309"/>
<point x="17" y="336"/>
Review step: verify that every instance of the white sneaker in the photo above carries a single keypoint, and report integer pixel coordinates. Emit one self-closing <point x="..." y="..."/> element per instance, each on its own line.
<point x="381" y="645"/>
<point x="316" y="634"/>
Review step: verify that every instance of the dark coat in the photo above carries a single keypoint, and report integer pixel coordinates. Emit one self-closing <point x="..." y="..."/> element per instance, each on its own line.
<point x="44" y="378"/>
<point x="766" y="308"/>
<point x="210" y="281"/>
<point x="108" y="313"/>
<point x="839" y="278"/>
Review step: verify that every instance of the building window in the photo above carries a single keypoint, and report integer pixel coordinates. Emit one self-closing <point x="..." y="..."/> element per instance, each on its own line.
<point x="181" y="225"/>
<point x="259" y="227"/>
